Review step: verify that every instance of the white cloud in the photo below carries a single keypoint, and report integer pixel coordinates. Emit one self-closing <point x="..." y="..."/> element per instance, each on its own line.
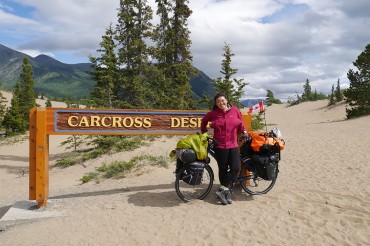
<point x="34" y="53"/>
<point x="11" y="19"/>
<point x="277" y="44"/>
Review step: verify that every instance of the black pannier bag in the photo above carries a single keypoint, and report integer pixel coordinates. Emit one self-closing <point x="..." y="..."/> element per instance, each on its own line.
<point x="266" y="166"/>
<point x="193" y="173"/>
<point x="179" y="165"/>
<point x="246" y="149"/>
<point x="186" y="155"/>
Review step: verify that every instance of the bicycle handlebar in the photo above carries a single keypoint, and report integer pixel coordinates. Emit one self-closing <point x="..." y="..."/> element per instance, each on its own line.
<point x="212" y="141"/>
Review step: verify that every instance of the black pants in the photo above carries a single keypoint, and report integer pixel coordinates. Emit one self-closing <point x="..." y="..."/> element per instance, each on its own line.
<point x="228" y="165"/>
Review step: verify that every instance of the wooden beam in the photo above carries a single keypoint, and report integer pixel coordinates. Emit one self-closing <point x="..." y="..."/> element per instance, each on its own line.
<point x="32" y="154"/>
<point x="42" y="158"/>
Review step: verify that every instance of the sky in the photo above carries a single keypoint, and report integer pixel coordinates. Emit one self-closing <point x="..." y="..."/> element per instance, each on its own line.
<point x="278" y="44"/>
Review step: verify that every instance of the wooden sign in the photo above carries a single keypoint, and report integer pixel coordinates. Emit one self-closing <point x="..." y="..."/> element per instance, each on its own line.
<point x="127" y="121"/>
<point x="73" y="121"/>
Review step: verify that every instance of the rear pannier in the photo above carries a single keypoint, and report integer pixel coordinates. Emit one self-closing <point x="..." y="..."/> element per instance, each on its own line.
<point x="193" y="173"/>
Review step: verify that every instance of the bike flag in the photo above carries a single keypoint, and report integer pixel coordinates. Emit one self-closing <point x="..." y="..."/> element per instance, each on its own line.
<point x="257" y="108"/>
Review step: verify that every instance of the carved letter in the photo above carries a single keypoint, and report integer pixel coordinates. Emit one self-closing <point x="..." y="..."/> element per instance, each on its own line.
<point x="175" y="122"/>
<point x="94" y="120"/>
<point x="84" y="122"/>
<point x="184" y="122"/>
<point x="116" y="122"/>
<point x="138" y="122"/>
<point x="124" y="121"/>
<point x="103" y="121"/>
<point x="193" y="122"/>
<point x="70" y="121"/>
<point x="147" y="123"/>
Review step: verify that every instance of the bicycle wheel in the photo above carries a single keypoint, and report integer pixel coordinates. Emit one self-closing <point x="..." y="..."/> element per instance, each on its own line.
<point x="189" y="192"/>
<point x="252" y="184"/>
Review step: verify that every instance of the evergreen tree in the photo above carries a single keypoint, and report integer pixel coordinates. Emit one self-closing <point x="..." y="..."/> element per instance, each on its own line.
<point x="2" y="105"/>
<point x="105" y="71"/>
<point x="232" y="88"/>
<point x="14" y="121"/>
<point x="162" y="86"/>
<point x="172" y="53"/>
<point x="332" y="96"/>
<point x="48" y="103"/>
<point x="17" y="117"/>
<point x="358" y="93"/>
<point x="27" y="84"/>
<point x="338" y="93"/>
<point x="271" y="99"/>
<point x="133" y="28"/>
<point x="307" y="94"/>
<point x="315" y="96"/>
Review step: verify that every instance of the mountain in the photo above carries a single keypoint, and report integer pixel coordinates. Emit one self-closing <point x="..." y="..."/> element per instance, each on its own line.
<point x="53" y="78"/>
<point x="57" y="79"/>
<point x="251" y="102"/>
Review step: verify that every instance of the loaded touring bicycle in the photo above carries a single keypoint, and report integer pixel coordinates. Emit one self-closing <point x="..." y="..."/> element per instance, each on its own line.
<point x="259" y="156"/>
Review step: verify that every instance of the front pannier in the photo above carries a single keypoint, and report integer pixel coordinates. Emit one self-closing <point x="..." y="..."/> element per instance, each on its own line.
<point x="193" y="173"/>
<point x="266" y="166"/>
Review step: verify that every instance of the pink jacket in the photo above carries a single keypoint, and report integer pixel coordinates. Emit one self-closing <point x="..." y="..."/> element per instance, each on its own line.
<point x="225" y="126"/>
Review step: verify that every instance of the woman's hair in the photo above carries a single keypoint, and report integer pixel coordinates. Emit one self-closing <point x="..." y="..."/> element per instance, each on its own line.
<point x="220" y="94"/>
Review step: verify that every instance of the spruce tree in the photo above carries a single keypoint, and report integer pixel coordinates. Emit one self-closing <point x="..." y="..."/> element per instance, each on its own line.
<point x="315" y="96"/>
<point x="2" y="105"/>
<point x="133" y="28"/>
<point x="307" y="94"/>
<point x="27" y="84"/>
<point x="358" y="93"/>
<point x="172" y="52"/>
<point x="160" y="75"/>
<point x="105" y="71"/>
<point x="338" y="93"/>
<point x="23" y="100"/>
<point x="233" y="88"/>
<point x="182" y="69"/>
<point x="14" y="121"/>
<point x="269" y="96"/>
<point x="332" y="96"/>
<point x="48" y="103"/>
<point x="271" y="99"/>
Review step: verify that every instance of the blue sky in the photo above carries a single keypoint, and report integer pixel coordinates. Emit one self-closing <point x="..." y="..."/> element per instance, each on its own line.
<point x="278" y="44"/>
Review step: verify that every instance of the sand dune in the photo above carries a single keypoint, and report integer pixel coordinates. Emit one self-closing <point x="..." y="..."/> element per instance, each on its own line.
<point x="322" y="196"/>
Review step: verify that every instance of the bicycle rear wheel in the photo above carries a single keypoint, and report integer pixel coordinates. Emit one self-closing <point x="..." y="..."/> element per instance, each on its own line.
<point x="189" y="192"/>
<point x="253" y="184"/>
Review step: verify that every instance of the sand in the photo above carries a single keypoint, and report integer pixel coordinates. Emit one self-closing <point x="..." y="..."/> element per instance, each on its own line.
<point x="322" y="195"/>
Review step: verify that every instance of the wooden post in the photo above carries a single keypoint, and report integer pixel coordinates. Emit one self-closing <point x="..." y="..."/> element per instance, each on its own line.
<point x="247" y="121"/>
<point x="42" y="158"/>
<point x="32" y="168"/>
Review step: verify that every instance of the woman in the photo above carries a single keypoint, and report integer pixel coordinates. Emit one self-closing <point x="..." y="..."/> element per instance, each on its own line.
<point x="225" y="120"/>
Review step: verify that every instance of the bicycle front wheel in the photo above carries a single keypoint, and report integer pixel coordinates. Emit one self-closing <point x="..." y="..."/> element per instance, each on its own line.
<point x="188" y="192"/>
<point x="252" y="184"/>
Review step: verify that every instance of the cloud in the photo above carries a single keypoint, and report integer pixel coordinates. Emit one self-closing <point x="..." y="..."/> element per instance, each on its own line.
<point x="34" y="53"/>
<point x="277" y="44"/>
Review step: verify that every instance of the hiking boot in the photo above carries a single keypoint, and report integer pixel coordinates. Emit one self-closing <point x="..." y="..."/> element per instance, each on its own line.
<point x="220" y="193"/>
<point x="228" y="196"/>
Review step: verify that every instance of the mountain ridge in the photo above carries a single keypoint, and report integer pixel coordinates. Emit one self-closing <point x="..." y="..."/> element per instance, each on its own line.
<point x="61" y="80"/>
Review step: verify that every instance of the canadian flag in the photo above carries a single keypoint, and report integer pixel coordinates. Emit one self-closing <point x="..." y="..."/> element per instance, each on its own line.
<point x="258" y="107"/>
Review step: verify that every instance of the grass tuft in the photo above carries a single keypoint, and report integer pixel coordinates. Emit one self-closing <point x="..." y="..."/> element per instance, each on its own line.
<point x="119" y="169"/>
